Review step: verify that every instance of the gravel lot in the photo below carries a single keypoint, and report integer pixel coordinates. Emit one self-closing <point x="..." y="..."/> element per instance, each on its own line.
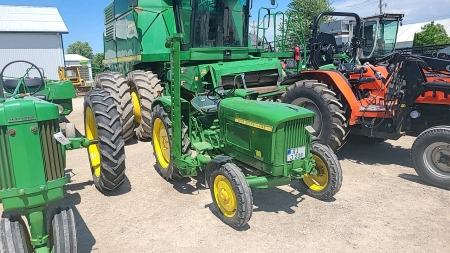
<point x="383" y="206"/>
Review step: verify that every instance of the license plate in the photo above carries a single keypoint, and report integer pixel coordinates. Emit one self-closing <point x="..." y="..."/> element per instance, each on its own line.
<point x="296" y="153"/>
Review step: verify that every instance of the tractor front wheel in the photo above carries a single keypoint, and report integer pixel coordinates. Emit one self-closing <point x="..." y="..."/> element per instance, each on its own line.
<point x="102" y="123"/>
<point x="14" y="236"/>
<point x="328" y="180"/>
<point x="330" y="124"/>
<point x="231" y="195"/>
<point x="162" y="143"/>
<point x="430" y="154"/>
<point x="63" y="233"/>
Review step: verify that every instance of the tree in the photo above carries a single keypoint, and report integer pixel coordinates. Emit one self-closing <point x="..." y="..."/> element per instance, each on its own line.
<point x="81" y="48"/>
<point x="303" y="13"/>
<point x="431" y="34"/>
<point x="97" y="64"/>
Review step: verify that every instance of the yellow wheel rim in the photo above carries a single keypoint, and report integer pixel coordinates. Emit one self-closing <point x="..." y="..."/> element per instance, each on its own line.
<point x="319" y="181"/>
<point x="225" y="196"/>
<point x="161" y="142"/>
<point x="91" y="134"/>
<point x="136" y="105"/>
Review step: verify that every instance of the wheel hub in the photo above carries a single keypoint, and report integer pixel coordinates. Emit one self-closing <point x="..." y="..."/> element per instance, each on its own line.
<point x="225" y="197"/>
<point x="437" y="155"/>
<point x="310" y="105"/>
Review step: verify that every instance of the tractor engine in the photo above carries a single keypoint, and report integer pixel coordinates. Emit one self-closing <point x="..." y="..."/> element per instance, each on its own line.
<point x="32" y="160"/>
<point x="272" y="137"/>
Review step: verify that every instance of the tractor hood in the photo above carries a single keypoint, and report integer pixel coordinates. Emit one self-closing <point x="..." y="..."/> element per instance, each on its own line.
<point x="28" y="109"/>
<point x="261" y="114"/>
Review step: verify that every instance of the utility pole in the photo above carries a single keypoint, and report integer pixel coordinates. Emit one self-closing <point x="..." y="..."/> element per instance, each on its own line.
<point x="381" y="6"/>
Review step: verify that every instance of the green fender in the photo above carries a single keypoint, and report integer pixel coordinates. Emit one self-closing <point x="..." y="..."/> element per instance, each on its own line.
<point x="166" y="102"/>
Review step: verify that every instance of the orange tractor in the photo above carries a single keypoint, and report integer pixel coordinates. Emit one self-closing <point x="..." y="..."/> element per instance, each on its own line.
<point x="399" y="94"/>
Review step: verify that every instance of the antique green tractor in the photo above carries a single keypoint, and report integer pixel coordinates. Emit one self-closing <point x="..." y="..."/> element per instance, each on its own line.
<point x="238" y="142"/>
<point x="32" y="167"/>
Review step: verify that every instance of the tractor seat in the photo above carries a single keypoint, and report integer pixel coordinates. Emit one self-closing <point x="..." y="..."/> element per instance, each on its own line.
<point x="32" y="83"/>
<point x="204" y="104"/>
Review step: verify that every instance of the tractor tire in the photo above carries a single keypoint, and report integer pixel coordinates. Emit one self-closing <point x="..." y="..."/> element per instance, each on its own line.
<point x="430" y="155"/>
<point x="330" y="123"/>
<point x="116" y="84"/>
<point x="14" y="235"/>
<point x="162" y="143"/>
<point x="102" y="123"/>
<point x="231" y="195"/>
<point x="144" y="88"/>
<point x="329" y="179"/>
<point x="63" y="232"/>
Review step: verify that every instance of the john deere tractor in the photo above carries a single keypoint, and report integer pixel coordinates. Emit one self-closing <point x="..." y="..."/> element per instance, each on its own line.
<point x="237" y="142"/>
<point x="33" y="161"/>
<point x="216" y="51"/>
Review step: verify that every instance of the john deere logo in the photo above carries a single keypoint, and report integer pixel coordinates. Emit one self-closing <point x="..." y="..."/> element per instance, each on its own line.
<point x="26" y="118"/>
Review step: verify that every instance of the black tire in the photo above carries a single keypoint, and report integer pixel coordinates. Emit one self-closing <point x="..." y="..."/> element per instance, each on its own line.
<point x="239" y="214"/>
<point x="111" y="146"/>
<point x="164" y="165"/>
<point x="116" y="84"/>
<point x="329" y="177"/>
<point x="63" y="232"/>
<point x="430" y="155"/>
<point x="147" y="86"/>
<point x="330" y="122"/>
<point x="14" y="235"/>
<point x="70" y="130"/>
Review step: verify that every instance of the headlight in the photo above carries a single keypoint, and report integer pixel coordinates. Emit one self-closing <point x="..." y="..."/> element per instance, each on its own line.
<point x="60" y="109"/>
<point x="414" y="114"/>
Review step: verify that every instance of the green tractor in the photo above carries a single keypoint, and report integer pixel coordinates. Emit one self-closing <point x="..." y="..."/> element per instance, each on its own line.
<point x="215" y="45"/>
<point x="32" y="168"/>
<point x="237" y="142"/>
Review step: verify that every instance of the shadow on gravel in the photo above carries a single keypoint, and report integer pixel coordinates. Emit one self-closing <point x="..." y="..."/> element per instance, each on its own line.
<point x="275" y="200"/>
<point x="373" y="154"/>
<point x="418" y="180"/>
<point x="211" y="208"/>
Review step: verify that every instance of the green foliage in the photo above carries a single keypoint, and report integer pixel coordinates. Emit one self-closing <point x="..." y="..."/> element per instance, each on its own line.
<point x="97" y="65"/>
<point x="431" y="34"/>
<point x="81" y="48"/>
<point x="303" y="13"/>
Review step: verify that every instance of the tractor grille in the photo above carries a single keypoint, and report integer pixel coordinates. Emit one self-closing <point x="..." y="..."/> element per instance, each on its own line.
<point x="296" y="135"/>
<point x="6" y="176"/>
<point x="51" y="150"/>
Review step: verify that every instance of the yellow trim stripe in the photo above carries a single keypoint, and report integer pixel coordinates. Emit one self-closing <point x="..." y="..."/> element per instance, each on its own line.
<point x="253" y="124"/>
<point x="123" y="59"/>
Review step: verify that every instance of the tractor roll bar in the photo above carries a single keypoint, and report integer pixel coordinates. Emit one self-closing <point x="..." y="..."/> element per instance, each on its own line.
<point x="355" y="39"/>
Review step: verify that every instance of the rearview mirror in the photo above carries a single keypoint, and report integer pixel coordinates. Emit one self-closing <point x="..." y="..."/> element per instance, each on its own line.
<point x="273" y="2"/>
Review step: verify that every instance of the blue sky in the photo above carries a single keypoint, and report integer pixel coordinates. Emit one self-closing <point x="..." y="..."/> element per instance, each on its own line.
<point x="84" y="18"/>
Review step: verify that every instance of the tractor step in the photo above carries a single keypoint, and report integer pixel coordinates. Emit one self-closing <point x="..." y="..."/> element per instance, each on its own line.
<point x="373" y="108"/>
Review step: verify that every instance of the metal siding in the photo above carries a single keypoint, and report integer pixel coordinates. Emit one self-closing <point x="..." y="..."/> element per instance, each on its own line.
<point x="43" y="50"/>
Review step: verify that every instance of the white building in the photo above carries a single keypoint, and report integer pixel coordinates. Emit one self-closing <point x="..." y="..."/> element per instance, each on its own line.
<point x="84" y="65"/>
<point x="405" y="35"/>
<point x="32" y="34"/>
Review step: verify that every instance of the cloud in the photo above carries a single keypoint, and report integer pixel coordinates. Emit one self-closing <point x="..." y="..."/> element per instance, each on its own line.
<point x="415" y="11"/>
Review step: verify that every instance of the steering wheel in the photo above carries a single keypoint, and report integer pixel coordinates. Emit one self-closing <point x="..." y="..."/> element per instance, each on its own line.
<point x="21" y="80"/>
<point x="212" y="94"/>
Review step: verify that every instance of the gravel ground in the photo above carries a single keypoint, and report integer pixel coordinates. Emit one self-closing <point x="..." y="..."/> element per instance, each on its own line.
<point x="383" y="206"/>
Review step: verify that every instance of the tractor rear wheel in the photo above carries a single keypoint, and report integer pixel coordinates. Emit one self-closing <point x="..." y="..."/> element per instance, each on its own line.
<point x="162" y="143"/>
<point x="14" y="236"/>
<point x="328" y="180"/>
<point x="116" y="84"/>
<point x="330" y="123"/>
<point x="102" y="123"/>
<point x="231" y="195"/>
<point x="144" y="88"/>
<point x="63" y="232"/>
<point x="430" y="155"/>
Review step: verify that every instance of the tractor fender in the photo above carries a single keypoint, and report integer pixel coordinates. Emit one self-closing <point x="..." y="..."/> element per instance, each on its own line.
<point x="214" y="164"/>
<point x="165" y="102"/>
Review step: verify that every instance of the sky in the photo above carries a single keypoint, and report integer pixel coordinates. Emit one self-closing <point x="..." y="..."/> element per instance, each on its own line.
<point x="84" y="18"/>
